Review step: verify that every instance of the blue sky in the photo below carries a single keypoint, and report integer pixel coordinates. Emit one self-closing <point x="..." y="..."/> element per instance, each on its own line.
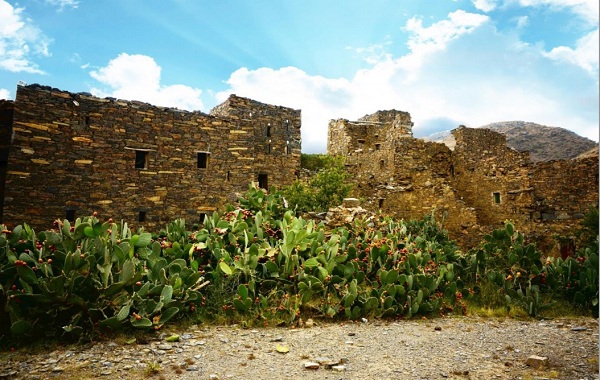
<point x="447" y="62"/>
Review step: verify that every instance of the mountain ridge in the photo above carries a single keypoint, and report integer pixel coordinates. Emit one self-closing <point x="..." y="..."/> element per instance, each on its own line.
<point x="544" y="143"/>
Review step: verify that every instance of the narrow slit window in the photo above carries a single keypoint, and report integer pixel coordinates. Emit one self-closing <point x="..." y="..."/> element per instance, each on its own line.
<point x="377" y="146"/>
<point x="263" y="181"/>
<point x="86" y="121"/>
<point x="288" y="148"/>
<point x="203" y="160"/>
<point x="141" y="216"/>
<point x="381" y="202"/>
<point x="201" y="218"/>
<point x="497" y="198"/>
<point x="381" y="164"/>
<point x="141" y="159"/>
<point x="268" y="131"/>
<point x="228" y="176"/>
<point x="70" y="215"/>
<point x="269" y="149"/>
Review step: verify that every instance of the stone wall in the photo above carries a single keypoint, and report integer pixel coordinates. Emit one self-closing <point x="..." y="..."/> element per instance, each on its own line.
<point x="6" y="115"/>
<point x="74" y="154"/>
<point x="369" y="133"/>
<point x="490" y="177"/>
<point x="564" y="192"/>
<point x="403" y="176"/>
<point x="476" y="187"/>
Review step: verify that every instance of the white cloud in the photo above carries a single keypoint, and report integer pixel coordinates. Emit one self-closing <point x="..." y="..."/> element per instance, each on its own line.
<point x="4" y="93"/>
<point x="137" y="77"/>
<point x="585" y="54"/>
<point x="461" y="69"/>
<point x="522" y="22"/>
<point x="438" y="35"/>
<point x="586" y="9"/>
<point x="20" y="41"/>
<point x="485" y="5"/>
<point x="62" y="4"/>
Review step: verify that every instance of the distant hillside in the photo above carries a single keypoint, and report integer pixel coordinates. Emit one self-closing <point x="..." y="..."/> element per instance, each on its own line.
<point x="542" y="142"/>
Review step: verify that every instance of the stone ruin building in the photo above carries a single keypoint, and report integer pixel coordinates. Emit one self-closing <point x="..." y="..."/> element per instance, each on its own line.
<point x="477" y="186"/>
<point x="65" y="155"/>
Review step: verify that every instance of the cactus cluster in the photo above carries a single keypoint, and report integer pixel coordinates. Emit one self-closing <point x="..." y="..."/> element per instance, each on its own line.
<point x="258" y="261"/>
<point x="78" y="278"/>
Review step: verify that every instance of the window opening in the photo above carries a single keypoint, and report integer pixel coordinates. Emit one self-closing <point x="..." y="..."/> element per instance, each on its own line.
<point x="268" y="131"/>
<point x="288" y="148"/>
<point x="263" y="181"/>
<point x="86" y="121"/>
<point x="203" y="160"/>
<point x="497" y="198"/>
<point x="377" y="146"/>
<point x="228" y="176"/>
<point x="201" y="218"/>
<point x="141" y="216"/>
<point x="381" y="202"/>
<point x="381" y="164"/>
<point x="141" y="159"/>
<point x="70" y="215"/>
<point x="567" y="248"/>
<point x="269" y="148"/>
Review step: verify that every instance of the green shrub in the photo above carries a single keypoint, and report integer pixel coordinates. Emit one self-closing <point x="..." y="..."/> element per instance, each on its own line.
<point x="327" y="188"/>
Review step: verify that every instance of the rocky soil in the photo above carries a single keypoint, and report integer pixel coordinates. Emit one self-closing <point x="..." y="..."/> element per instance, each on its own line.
<point x="450" y="348"/>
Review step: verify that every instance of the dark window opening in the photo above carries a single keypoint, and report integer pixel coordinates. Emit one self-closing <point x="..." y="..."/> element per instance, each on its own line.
<point x="268" y="131"/>
<point x="141" y="159"/>
<point x="203" y="160"/>
<point x="3" y="158"/>
<point x="263" y="181"/>
<point x="377" y="146"/>
<point x="141" y="216"/>
<point x="497" y="198"/>
<point x="381" y="202"/>
<point x="228" y="176"/>
<point x="381" y="164"/>
<point x="452" y="170"/>
<point x="70" y="215"/>
<point x="288" y="149"/>
<point x="201" y="218"/>
<point x="269" y="148"/>
<point x="567" y="248"/>
<point x="86" y="121"/>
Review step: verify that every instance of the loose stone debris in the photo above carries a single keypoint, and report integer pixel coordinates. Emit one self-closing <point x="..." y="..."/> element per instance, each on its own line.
<point x="463" y="347"/>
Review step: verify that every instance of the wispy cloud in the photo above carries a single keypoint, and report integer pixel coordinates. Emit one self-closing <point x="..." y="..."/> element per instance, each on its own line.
<point x="441" y="79"/>
<point x="20" y="41"/>
<point x="584" y="55"/>
<point x="62" y="4"/>
<point x="485" y="5"/>
<point x="4" y="93"/>
<point x="137" y="77"/>
<point x="586" y="9"/>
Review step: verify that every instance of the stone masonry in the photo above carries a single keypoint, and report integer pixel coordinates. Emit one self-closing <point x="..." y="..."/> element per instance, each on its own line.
<point x="73" y="154"/>
<point x="475" y="188"/>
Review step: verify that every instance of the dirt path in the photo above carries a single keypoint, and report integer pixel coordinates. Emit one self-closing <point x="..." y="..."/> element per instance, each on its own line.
<point x="453" y="348"/>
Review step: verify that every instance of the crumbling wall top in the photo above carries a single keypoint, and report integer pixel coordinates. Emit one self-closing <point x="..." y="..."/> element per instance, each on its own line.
<point x="244" y="108"/>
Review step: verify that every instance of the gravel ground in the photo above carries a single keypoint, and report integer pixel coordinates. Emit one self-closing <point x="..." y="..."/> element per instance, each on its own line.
<point x="451" y="348"/>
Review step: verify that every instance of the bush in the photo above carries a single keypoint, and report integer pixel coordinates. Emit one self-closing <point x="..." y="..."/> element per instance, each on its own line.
<point x="327" y="188"/>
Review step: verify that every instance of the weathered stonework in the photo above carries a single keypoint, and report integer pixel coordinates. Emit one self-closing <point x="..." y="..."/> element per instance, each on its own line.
<point x="6" y="115"/>
<point x="73" y="154"/>
<point x="476" y="187"/>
